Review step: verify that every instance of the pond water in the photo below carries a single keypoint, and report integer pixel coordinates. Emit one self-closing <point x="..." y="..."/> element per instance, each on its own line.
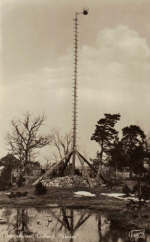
<point x="61" y="224"/>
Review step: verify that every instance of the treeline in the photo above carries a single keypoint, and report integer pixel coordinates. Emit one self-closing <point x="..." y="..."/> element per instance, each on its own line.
<point x="128" y="151"/>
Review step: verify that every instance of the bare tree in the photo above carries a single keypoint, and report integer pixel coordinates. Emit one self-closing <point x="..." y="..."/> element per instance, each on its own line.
<point x="47" y="163"/>
<point x="62" y="144"/>
<point x="24" y="137"/>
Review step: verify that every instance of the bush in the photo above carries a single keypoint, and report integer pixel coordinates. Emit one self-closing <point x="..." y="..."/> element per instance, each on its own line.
<point x="40" y="189"/>
<point x="145" y="192"/>
<point x="5" y="179"/>
<point x="145" y="195"/>
<point x="146" y="179"/>
<point x="126" y="190"/>
<point x="20" y="181"/>
<point x="135" y="189"/>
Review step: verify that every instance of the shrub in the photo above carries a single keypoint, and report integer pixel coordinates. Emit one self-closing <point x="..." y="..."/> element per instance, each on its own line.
<point x="145" y="192"/>
<point x="40" y="189"/>
<point x="145" y="188"/>
<point x="146" y="179"/>
<point x="135" y="189"/>
<point x="126" y="190"/>
<point x="20" y="181"/>
<point x="5" y="178"/>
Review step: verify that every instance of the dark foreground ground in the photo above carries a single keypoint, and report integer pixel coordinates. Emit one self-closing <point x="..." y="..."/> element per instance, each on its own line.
<point x="118" y="210"/>
<point x="59" y="196"/>
<point x="63" y="197"/>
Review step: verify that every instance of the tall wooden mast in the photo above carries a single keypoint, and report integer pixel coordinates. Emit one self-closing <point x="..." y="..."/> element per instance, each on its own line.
<point x="75" y="86"/>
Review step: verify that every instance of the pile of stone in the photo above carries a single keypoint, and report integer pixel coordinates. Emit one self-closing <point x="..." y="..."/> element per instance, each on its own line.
<point x="66" y="181"/>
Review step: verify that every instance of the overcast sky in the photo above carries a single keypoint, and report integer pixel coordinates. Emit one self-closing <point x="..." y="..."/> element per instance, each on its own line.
<point x="36" y="45"/>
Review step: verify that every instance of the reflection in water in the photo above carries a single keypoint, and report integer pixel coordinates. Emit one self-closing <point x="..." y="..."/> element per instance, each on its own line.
<point x="109" y="232"/>
<point x="60" y="224"/>
<point x="19" y="225"/>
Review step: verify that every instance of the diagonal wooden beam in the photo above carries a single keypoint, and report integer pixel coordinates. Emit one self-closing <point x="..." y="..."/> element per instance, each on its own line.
<point x="86" y="172"/>
<point x="81" y="222"/>
<point x="87" y="162"/>
<point x="50" y="170"/>
<point x="67" y="161"/>
<point x="65" y="218"/>
<point x="58" y="219"/>
<point x="101" y="176"/>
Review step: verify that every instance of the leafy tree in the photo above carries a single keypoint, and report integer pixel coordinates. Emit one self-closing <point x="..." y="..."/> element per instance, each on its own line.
<point x="105" y="135"/>
<point x="135" y="150"/>
<point x="134" y="146"/>
<point x="137" y="158"/>
<point x="24" y="137"/>
<point x="117" y="157"/>
<point x="133" y="136"/>
<point x="9" y="162"/>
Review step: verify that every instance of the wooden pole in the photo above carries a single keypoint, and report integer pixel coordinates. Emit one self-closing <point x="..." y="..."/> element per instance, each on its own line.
<point x="75" y="77"/>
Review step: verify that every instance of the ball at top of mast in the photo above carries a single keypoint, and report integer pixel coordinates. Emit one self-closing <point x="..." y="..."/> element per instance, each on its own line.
<point x="85" y="11"/>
